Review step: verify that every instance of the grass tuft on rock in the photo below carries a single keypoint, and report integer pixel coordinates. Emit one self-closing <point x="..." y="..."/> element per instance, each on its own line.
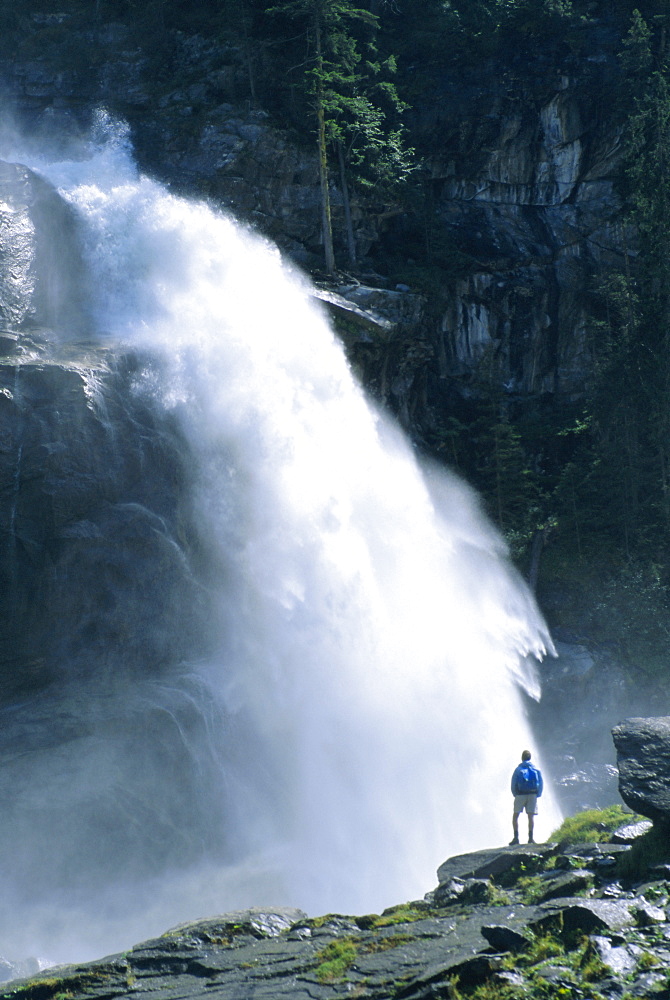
<point x="335" y="959"/>
<point x="593" y="826"/>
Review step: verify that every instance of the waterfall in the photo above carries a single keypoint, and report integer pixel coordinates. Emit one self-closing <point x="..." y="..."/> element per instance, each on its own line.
<point x="368" y="639"/>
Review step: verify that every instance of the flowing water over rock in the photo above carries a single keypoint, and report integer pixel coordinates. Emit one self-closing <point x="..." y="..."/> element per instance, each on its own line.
<point x="295" y="677"/>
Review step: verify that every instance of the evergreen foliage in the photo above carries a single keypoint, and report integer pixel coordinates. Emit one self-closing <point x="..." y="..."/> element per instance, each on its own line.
<point x="354" y="100"/>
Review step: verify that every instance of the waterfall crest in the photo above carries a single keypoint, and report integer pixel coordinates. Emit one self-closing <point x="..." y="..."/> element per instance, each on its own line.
<point x="367" y="636"/>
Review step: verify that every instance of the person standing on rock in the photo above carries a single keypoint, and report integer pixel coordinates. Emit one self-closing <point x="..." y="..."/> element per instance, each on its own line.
<point x="526" y="788"/>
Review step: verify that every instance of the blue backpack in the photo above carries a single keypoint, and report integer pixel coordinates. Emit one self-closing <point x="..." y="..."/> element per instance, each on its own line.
<point x="526" y="780"/>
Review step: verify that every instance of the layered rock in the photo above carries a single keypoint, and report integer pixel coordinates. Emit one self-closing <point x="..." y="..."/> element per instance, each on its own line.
<point x="643" y="756"/>
<point x="526" y="191"/>
<point x="414" y="950"/>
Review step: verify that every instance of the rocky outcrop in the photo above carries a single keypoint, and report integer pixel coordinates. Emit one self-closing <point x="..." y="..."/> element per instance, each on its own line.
<point x="643" y="756"/>
<point x="536" y="206"/>
<point x="529" y="928"/>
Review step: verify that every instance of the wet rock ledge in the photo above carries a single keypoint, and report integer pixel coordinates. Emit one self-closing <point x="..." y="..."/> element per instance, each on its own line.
<point x="552" y="920"/>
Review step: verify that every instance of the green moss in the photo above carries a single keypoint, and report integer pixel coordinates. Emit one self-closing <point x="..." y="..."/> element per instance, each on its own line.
<point x="38" y="989"/>
<point x="327" y="918"/>
<point x="591" y="966"/>
<point x="403" y="914"/>
<point x="531" y="888"/>
<point x="524" y="868"/>
<point x="647" y="961"/>
<point x="335" y="959"/>
<point x="593" y="825"/>
<point x="388" y="943"/>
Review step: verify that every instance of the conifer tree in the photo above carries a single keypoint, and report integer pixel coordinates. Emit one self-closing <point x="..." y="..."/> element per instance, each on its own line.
<point x="351" y="99"/>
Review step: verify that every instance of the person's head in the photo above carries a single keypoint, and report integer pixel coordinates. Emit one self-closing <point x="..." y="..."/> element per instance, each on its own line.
<point x="525" y="755"/>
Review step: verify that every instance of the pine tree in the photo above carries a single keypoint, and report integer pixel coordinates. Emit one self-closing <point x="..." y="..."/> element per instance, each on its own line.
<point x="352" y="100"/>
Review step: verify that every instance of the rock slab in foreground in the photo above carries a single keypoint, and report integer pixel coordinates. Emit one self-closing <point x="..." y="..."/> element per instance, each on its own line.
<point x="643" y="757"/>
<point x="410" y="952"/>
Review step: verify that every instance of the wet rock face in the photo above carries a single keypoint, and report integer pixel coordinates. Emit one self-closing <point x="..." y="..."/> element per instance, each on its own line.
<point x="100" y="609"/>
<point x="90" y="512"/>
<point x="103" y="606"/>
<point x="643" y="755"/>
<point x="100" y="604"/>
<point x="39" y="257"/>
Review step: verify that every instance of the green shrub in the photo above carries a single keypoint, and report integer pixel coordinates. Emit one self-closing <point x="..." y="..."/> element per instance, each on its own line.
<point x="542" y="948"/>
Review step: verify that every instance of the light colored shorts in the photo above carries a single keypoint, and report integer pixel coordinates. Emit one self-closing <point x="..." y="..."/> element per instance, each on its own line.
<point x="527" y="803"/>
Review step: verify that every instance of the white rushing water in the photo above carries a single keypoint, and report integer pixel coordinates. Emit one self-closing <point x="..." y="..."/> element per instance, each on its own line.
<point x="372" y="634"/>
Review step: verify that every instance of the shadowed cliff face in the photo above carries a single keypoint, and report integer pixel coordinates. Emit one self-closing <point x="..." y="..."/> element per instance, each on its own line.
<point x="100" y="615"/>
<point x="518" y="167"/>
<point x="522" y="184"/>
<point x="100" y="609"/>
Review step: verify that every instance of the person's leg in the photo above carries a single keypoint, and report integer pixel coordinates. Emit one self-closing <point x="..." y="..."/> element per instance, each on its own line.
<point x="531" y="809"/>
<point x="515" y="828"/>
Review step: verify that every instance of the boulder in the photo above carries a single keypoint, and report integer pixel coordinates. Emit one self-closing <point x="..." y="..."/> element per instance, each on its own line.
<point x="647" y="915"/>
<point x="631" y="832"/>
<point x="585" y="915"/>
<point x="495" y="862"/>
<point x="619" y="959"/>
<point x="470" y="970"/>
<point x="643" y="757"/>
<point x="468" y="891"/>
<point x="566" y="884"/>
<point x="502" y="937"/>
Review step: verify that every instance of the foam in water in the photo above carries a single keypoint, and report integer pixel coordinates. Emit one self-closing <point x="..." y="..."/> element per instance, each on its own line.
<point x="372" y="635"/>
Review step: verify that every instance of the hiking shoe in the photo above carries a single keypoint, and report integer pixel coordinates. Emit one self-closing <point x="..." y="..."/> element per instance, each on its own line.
<point x="513" y="842"/>
<point x="530" y="840"/>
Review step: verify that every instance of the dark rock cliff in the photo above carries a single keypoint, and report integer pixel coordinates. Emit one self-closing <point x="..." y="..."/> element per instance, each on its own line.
<point x="93" y="534"/>
<point x="95" y="529"/>
<point x="519" y="169"/>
